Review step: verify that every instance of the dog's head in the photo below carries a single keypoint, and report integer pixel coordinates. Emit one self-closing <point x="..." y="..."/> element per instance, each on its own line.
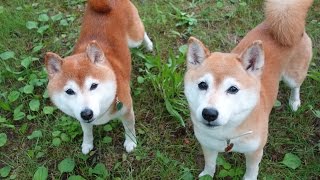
<point x="222" y="88"/>
<point x="82" y="85"/>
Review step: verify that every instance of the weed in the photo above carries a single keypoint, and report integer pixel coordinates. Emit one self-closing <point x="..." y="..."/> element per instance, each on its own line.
<point x="167" y="80"/>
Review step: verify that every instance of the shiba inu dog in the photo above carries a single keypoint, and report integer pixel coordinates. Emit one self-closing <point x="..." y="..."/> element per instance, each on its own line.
<point x="93" y="84"/>
<point x="231" y="95"/>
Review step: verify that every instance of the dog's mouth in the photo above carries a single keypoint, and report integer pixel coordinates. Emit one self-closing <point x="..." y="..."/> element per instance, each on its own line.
<point x="88" y="121"/>
<point x="207" y="124"/>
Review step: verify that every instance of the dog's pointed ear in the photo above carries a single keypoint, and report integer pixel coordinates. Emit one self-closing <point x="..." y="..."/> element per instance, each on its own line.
<point x="252" y="58"/>
<point x="95" y="53"/>
<point x="197" y="52"/>
<point x="53" y="63"/>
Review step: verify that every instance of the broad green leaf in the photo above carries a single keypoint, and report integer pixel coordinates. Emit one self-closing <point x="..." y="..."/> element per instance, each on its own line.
<point x="187" y="175"/>
<point x="66" y="165"/>
<point x="277" y="103"/>
<point x="1" y="9"/>
<point x="57" y="17"/>
<point x="205" y="177"/>
<point x="56" y="133"/>
<point x="243" y="3"/>
<point x="35" y="134"/>
<point x="13" y="96"/>
<point x="42" y="29"/>
<point x="99" y="169"/>
<point x="5" y="171"/>
<point x="107" y="140"/>
<point x="219" y="4"/>
<point x="73" y="177"/>
<point x="40" y="155"/>
<point x="223" y="173"/>
<point x="2" y="119"/>
<point x="64" y="137"/>
<point x="26" y="62"/>
<point x="45" y="94"/>
<point x="23" y="129"/>
<point x="71" y="19"/>
<point x="28" y="89"/>
<point x="37" y="48"/>
<point x="183" y="49"/>
<point x="32" y="25"/>
<point x="292" y="161"/>
<point x="34" y="105"/>
<point x="7" y="55"/>
<point x="56" y="141"/>
<point x="140" y="79"/>
<point x="64" y="22"/>
<point x="41" y="174"/>
<point x="3" y="139"/>
<point x="30" y="117"/>
<point x="48" y="110"/>
<point x="221" y="161"/>
<point x="43" y="18"/>
<point x="5" y="106"/>
<point x="107" y="127"/>
<point x="18" y="115"/>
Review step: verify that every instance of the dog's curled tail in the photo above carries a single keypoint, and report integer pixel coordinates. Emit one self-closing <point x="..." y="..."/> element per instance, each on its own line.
<point x="286" y="19"/>
<point x="101" y="5"/>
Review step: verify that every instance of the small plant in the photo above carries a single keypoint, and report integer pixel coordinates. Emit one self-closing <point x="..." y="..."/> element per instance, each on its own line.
<point x="185" y="20"/>
<point x="227" y="170"/>
<point x="167" y="81"/>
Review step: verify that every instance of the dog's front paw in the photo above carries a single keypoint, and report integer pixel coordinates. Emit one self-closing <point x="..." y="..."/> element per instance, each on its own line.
<point x="249" y="178"/>
<point x="149" y="46"/>
<point x="204" y="172"/>
<point x="86" y="148"/>
<point x="129" y="145"/>
<point x="294" y="104"/>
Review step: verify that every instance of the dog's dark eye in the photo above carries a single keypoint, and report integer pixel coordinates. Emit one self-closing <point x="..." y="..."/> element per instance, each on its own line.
<point x="70" y="92"/>
<point x="203" y="86"/>
<point x="232" y="90"/>
<point x="93" y="86"/>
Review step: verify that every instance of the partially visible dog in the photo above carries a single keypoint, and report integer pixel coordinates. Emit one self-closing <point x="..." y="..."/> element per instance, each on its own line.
<point x="231" y="95"/>
<point x="93" y="84"/>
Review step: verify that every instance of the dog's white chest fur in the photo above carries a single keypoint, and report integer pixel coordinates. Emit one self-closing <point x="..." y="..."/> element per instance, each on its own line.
<point x="216" y="139"/>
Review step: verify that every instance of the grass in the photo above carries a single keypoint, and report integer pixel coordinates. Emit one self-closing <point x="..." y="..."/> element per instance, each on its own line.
<point x="37" y="139"/>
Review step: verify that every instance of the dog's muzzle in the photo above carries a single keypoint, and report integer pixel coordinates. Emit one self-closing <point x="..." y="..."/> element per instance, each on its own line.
<point x="87" y="115"/>
<point x="210" y="115"/>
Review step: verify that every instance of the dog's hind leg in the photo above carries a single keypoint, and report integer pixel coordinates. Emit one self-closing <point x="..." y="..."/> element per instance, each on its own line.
<point x="210" y="157"/>
<point x="136" y="33"/>
<point x="147" y="42"/>
<point x="252" y="164"/>
<point x="296" y="70"/>
<point x="87" y="143"/>
<point x="130" y="134"/>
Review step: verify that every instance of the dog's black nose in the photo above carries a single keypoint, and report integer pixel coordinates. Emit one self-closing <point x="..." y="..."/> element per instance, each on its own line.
<point x="210" y="114"/>
<point x="86" y="114"/>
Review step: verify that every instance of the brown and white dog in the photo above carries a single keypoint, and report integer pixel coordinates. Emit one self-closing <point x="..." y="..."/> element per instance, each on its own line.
<point x="93" y="84"/>
<point x="231" y="95"/>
